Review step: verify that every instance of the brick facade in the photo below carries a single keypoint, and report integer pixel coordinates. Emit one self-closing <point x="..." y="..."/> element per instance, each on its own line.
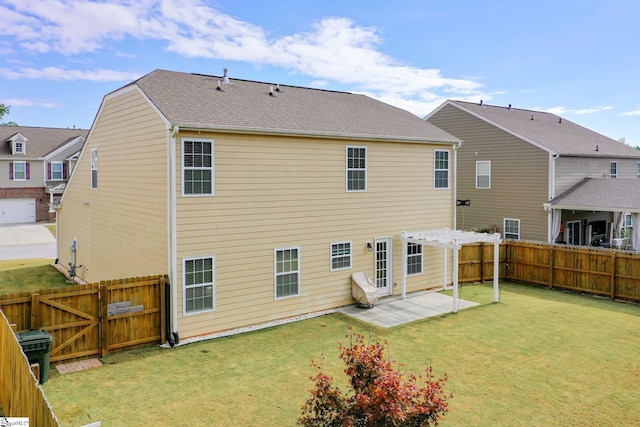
<point x="38" y="193"/>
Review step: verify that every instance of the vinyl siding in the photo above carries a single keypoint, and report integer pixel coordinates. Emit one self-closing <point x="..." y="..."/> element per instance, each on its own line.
<point x="36" y="174"/>
<point x="571" y="170"/>
<point x="519" y="176"/>
<point x="122" y="226"/>
<point x="273" y="193"/>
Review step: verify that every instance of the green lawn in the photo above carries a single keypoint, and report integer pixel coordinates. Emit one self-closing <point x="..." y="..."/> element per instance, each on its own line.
<point x="538" y="358"/>
<point x="29" y="275"/>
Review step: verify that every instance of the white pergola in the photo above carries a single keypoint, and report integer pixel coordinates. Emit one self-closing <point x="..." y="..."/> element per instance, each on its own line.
<point x="451" y="239"/>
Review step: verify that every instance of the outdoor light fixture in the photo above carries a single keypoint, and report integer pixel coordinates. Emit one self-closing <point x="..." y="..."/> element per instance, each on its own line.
<point x="369" y="246"/>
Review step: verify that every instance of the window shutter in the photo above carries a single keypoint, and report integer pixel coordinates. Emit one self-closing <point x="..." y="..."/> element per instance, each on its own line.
<point x="27" y="170"/>
<point x="64" y="171"/>
<point x="49" y="170"/>
<point x="11" y="171"/>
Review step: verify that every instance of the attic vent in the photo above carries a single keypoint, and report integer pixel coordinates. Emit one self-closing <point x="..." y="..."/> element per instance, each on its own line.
<point x="225" y="77"/>
<point x="509" y="106"/>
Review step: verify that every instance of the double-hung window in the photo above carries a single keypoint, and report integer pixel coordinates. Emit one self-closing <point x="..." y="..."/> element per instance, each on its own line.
<point x="198" y="284"/>
<point x="356" y="168"/>
<point x="340" y="255"/>
<point x="287" y="272"/>
<point x="56" y="172"/>
<point x="414" y="258"/>
<point x="613" y="169"/>
<point x="441" y="169"/>
<point x="483" y="174"/>
<point x="512" y="229"/>
<point x="197" y="167"/>
<point x="19" y="171"/>
<point x="94" y="168"/>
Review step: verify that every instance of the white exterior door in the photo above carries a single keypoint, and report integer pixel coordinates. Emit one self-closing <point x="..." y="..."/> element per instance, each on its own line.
<point x="15" y="211"/>
<point x="384" y="261"/>
<point x="573" y="233"/>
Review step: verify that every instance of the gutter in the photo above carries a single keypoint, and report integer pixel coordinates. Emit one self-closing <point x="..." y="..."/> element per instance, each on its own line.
<point x="173" y="278"/>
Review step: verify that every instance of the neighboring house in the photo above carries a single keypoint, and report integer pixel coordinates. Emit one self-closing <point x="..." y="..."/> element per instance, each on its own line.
<point x="35" y="163"/>
<point x="515" y="166"/>
<point x="258" y="200"/>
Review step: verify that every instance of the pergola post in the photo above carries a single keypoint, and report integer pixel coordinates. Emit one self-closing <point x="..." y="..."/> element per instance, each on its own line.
<point x="496" y="271"/>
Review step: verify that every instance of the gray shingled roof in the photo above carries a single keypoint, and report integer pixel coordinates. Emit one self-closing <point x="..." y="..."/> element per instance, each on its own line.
<point x="41" y="141"/>
<point x="556" y="134"/>
<point x="601" y="194"/>
<point x="193" y="101"/>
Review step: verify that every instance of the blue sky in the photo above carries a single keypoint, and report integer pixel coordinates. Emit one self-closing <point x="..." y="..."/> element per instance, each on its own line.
<point x="577" y="59"/>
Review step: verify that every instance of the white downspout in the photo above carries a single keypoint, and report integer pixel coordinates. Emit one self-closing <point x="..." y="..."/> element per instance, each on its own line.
<point x="173" y="233"/>
<point x="551" y="194"/>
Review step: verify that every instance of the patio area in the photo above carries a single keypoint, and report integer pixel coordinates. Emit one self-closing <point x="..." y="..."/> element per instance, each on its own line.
<point x="395" y="311"/>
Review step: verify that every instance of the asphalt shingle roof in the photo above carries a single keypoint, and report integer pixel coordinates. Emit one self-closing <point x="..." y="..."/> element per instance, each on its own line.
<point x="192" y="100"/>
<point x="550" y="131"/>
<point x="41" y="141"/>
<point x="601" y="194"/>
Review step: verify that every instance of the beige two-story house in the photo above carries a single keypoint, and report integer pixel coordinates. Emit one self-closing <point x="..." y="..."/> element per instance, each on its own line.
<point x="259" y="200"/>
<point x="517" y="169"/>
<point x="35" y="163"/>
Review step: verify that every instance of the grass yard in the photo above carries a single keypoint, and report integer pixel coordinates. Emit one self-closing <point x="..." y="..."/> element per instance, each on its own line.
<point x="29" y="275"/>
<point x="539" y="358"/>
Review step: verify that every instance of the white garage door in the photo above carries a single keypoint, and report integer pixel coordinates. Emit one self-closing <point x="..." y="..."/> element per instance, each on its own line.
<point x="14" y="211"/>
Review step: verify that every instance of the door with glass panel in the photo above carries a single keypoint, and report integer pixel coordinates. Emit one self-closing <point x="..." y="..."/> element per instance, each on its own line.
<point x="383" y="263"/>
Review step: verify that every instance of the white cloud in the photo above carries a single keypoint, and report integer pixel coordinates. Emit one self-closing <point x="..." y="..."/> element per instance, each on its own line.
<point x="564" y="110"/>
<point x="335" y="49"/>
<point x="64" y="74"/>
<point x="631" y="113"/>
<point x="17" y="102"/>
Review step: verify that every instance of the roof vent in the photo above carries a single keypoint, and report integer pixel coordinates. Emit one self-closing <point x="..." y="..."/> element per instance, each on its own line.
<point x="271" y="91"/>
<point x="225" y="77"/>
<point x="559" y="119"/>
<point x="278" y="87"/>
<point x="481" y="102"/>
<point x="509" y="106"/>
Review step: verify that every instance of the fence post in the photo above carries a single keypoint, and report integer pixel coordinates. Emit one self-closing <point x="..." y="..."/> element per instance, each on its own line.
<point x="613" y="275"/>
<point x="552" y="256"/>
<point x="35" y="312"/>
<point x="104" y="318"/>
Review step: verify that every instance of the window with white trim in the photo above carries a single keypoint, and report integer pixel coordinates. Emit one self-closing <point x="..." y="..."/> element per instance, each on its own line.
<point x="198" y="279"/>
<point x="56" y="171"/>
<point x="626" y="229"/>
<point x="512" y="228"/>
<point x="340" y="256"/>
<point x="197" y="167"/>
<point x="18" y="147"/>
<point x="414" y="258"/>
<point x="94" y="168"/>
<point x="287" y="272"/>
<point x="613" y="169"/>
<point x="19" y="171"/>
<point x="441" y="169"/>
<point x="638" y="167"/>
<point x="356" y="168"/>
<point x="483" y="174"/>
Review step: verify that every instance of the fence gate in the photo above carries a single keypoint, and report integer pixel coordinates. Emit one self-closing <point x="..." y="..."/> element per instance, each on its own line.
<point x="75" y="329"/>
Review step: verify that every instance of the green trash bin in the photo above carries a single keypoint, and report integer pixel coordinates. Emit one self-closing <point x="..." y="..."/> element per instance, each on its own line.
<point x="36" y="345"/>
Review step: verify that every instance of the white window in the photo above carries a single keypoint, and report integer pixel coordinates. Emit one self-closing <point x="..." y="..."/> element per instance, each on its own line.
<point x="18" y="147"/>
<point x="512" y="229"/>
<point x="19" y="171"/>
<point x="626" y="229"/>
<point x="638" y="167"/>
<point x="287" y="272"/>
<point x="198" y="279"/>
<point x="197" y="167"/>
<point x="613" y="170"/>
<point x="56" y="171"/>
<point x="356" y="168"/>
<point x="340" y="256"/>
<point x="94" y="168"/>
<point x="483" y="174"/>
<point x="414" y="258"/>
<point x="441" y="169"/>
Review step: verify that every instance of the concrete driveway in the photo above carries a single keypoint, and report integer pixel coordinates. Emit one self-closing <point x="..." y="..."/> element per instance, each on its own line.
<point x="22" y="241"/>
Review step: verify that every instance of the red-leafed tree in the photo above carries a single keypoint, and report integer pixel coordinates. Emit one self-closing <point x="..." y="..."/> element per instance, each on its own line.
<point x="381" y="396"/>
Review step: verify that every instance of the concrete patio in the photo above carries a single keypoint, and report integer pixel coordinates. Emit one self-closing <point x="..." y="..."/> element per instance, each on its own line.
<point x="394" y="311"/>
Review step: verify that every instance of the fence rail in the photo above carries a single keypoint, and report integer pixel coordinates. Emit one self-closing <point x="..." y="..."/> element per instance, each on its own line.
<point x="606" y="272"/>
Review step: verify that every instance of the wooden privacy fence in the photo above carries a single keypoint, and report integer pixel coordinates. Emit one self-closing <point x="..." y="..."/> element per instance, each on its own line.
<point x="20" y="393"/>
<point x="92" y="320"/>
<point x="606" y="272"/>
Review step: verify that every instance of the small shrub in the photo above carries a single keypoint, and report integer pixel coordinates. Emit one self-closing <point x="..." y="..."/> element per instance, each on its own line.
<point x="380" y="395"/>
